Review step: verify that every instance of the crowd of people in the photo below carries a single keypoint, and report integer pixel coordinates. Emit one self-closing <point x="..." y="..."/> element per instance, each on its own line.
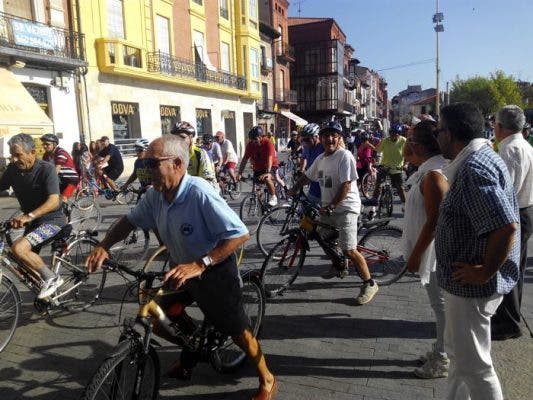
<point x="468" y="217"/>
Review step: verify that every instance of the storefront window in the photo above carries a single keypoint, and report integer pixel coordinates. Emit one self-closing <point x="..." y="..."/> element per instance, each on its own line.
<point x="40" y="95"/>
<point x="126" y="120"/>
<point x="203" y="121"/>
<point x="170" y="115"/>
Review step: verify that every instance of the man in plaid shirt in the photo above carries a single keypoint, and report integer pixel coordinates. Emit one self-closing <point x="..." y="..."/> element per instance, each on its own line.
<point x="477" y="244"/>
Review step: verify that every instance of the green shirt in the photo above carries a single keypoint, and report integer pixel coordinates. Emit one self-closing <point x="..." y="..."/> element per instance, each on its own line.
<point x="392" y="152"/>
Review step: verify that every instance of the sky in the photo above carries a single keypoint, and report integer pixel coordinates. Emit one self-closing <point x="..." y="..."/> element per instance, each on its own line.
<point x="479" y="38"/>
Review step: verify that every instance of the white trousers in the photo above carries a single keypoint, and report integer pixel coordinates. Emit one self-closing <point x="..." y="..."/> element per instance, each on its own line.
<point x="467" y="343"/>
<point x="436" y="300"/>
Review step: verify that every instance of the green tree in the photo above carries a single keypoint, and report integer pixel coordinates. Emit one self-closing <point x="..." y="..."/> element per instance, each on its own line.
<point x="489" y="94"/>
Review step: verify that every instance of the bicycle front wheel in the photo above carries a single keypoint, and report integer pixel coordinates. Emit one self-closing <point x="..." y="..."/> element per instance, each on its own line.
<point x="385" y="204"/>
<point x="9" y="310"/>
<point x="368" y="183"/>
<point x="382" y="249"/>
<point x="133" y="249"/>
<point x="229" y="356"/>
<point x="85" y="198"/>
<point x="80" y="288"/>
<point x="250" y="212"/>
<point x="273" y="225"/>
<point x="128" y="370"/>
<point x="283" y="263"/>
<point x="126" y="197"/>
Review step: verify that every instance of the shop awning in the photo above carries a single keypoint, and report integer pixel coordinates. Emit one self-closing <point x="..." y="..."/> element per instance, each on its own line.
<point x="19" y="113"/>
<point x="299" y="120"/>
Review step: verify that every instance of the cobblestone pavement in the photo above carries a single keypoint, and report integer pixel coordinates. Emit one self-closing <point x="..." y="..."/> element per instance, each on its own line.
<point x="318" y="343"/>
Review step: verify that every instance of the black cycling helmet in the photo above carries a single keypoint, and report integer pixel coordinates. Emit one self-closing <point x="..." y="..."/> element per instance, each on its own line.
<point x="255" y="132"/>
<point x="332" y="126"/>
<point x="183" y="127"/>
<point x="208" y="138"/>
<point x="396" y="128"/>
<point x="311" y="129"/>
<point x="50" y="137"/>
<point x="365" y="136"/>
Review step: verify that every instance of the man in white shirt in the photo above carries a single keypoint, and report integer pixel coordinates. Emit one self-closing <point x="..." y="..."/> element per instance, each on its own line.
<point x="229" y="156"/>
<point x="335" y="172"/>
<point x="518" y="157"/>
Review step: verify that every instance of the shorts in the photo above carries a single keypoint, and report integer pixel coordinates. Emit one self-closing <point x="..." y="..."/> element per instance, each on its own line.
<point x="395" y="179"/>
<point x="257" y="174"/>
<point x="346" y="223"/>
<point x="41" y="233"/>
<point x="219" y="296"/>
<point x="67" y="189"/>
<point x="112" y="173"/>
<point x="231" y="165"/>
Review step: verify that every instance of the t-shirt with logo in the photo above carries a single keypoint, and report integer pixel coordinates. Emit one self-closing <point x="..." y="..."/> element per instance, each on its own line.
<point x="68" y="172"/>
<point x="259" y="154"/>
<point x="331" y="171"/>
<point x="143" y="173"/>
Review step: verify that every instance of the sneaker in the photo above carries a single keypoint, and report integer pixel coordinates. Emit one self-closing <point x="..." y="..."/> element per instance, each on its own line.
<point x="367" y="293"/>
<point x="425" y="357"/>
<point x="436" y="366"/>
<point x="273" y="201"/>
<point x="49" y="287"/>
<point x="333" y="272"/>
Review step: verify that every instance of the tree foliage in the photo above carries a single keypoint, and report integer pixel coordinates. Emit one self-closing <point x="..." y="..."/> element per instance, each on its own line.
<point x="489" y="94"/>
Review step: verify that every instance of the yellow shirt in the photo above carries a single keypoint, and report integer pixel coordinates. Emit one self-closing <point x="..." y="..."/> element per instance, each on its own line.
<point x="392" y="152"/>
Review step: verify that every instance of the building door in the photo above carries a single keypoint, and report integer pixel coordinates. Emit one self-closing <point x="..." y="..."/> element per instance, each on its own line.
<point x="230" y="127"/>
<point x="248" y="123"/>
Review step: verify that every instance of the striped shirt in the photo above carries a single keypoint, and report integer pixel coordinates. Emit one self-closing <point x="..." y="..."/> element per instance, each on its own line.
<point x="480" y="200"/>
<point x="67" y="173"/>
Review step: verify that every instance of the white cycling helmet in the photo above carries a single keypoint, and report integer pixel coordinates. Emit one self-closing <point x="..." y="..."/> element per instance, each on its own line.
<point x="141" y="144"/>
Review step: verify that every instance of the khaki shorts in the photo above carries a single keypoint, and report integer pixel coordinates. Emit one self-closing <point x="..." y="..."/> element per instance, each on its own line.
<point x="346" y="223"/>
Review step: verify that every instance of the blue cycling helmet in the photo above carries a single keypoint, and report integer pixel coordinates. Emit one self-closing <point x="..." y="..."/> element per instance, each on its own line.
<point x="396" y="128"/>
<point x="311" y="129"/>
<point x="332" y="126"/>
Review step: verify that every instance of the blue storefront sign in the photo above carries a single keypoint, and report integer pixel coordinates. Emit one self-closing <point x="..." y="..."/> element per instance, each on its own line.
<point x="33" y="35"/>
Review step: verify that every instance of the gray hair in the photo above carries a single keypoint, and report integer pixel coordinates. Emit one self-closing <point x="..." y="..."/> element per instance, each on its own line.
<point x="23" y="140"/>
<point x="511" y="118"/>
<point x="175" y="146"/>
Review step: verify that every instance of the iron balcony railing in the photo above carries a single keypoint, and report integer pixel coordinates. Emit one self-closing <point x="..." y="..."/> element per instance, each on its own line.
<point x="284" y="51"/>
<point x="287" y="96"/>
<point x="265" y="105"/>
<point x="167" y="65"/>
<point x="35" y="37"/>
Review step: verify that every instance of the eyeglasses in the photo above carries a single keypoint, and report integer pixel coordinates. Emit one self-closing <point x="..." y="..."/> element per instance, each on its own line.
<point x="154" y="163"/>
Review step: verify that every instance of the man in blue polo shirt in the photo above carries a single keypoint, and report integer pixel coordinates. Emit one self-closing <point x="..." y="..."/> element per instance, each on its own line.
<point x="477" y="243"/>
<point x="311" y="149"/>
<point x="201" y="233"/>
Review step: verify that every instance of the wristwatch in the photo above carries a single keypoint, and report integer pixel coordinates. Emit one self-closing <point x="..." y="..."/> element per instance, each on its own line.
<point x="207" y="261"/>
<point x="31" y="215"/>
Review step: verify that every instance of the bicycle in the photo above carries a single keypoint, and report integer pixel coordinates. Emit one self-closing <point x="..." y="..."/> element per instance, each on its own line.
<point x="79" y="290"/>
<point x="379" y="245"/>
<point x="228" y="187"/>
<point x="385" y="198"/>
<point x="90" y="189"/>
<point x="131" y="371"/>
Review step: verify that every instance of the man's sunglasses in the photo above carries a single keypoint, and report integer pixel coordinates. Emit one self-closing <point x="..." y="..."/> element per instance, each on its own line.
<point x="154" y="163"/>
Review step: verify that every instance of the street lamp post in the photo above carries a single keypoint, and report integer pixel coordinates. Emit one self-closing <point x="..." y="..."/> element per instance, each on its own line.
<point x="438" y="17"/>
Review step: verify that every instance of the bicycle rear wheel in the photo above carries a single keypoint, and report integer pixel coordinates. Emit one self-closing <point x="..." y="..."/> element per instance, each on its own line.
<point x="126" y="197"/>
<point x="80" y="288"/>
<point x="126" y="370"/>
<point x="283" y="263"/>
<point x="9" y="310"/>
<point x="134" y="249"/>
<point x="383" y="251"/>
<point x="250" y="212"/>
<point x="85" y="198"/>
<point x="229" y="356"/>
<point x="368" y="183"/>
<point x="273" y="225"/>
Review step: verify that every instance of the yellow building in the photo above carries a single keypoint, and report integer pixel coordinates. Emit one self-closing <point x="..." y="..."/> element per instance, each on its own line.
<point x="155" y="62"/>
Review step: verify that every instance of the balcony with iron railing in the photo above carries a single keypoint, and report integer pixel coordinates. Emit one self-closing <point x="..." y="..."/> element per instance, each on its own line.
<point x="284" y="52"/>
<point x="119" y="56"/>
<point x="265" y="105"/>
<point x="346" y="107"/>
<point x="286" y="96"/>
<point x="40" y="43"/>
<point x="173" y="66"/>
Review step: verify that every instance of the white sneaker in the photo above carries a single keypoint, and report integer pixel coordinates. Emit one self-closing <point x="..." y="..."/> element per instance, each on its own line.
<point x="367" y="293"/>
<point x="49" y="287"/>
<point x="273" y="201"/>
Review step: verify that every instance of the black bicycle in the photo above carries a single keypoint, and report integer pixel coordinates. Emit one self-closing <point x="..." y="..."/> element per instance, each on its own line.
<point x="131" y="369"/>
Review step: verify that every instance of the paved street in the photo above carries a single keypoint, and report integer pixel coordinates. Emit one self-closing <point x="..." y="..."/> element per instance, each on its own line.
<point x="318" y="343"/>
